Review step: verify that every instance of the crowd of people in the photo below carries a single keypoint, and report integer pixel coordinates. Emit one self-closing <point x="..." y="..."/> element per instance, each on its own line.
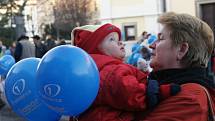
<point x="165" y="78"/>
<point x="24" y="48"/>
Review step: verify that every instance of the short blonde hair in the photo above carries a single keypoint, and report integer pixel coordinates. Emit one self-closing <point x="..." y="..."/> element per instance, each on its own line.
<point x="195" y="32"/>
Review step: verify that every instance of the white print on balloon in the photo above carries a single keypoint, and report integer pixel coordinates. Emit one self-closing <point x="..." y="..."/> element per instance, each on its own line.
<point x="52" y="90"/>
<point x="58" y="109"/>
<point x="7" y="62"/>
<point x="19" y="87"/>
<point x="3" y="67"/>
<point x="31" y="106"/>
<point x="21" y="97"/>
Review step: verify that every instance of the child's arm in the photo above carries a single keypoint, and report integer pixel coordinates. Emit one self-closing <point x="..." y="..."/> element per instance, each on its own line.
<point x="124" y="87"/>
<point x="120" y="88"/>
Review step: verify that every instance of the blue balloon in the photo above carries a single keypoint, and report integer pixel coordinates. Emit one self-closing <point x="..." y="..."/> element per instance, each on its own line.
<point x="135" y="48"/>
<point x="6" y="62"/>
<point x="152" y="39"/>
<point x="22" y="95"/>
<point x="135" y="58"/>
<point x="68" y="80"/>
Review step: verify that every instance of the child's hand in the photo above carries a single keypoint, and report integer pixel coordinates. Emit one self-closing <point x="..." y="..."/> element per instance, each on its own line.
<point x="142" y="65"/>
<point x="155" y="92"/>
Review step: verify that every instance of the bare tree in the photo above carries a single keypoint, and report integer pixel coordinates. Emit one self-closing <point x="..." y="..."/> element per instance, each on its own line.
<point x="72" y="13"/>
<point x="12" y="7"/>
<point x="9" y="10"/>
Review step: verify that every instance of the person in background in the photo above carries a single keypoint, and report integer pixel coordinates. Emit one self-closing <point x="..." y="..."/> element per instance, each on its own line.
<point x="140" y="57"/>
<point x="12" y="48"/>
<point x="49" y="43"/>
<point x="143" y="37"/>
<point x="135" y="55"/>
<point x="181" y="55"/>
<point x="144" y="60"/>
<point x="40" y="48"/>
<point x="2" y="49"/>
<point x="2" y="77"/>
<point x="24" y="48"/>
<point x="61" y="42"/>
<point x="123" y="88"/>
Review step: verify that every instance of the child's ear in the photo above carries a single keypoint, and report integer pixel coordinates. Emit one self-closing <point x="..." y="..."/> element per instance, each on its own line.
<point x="182" y="50"/>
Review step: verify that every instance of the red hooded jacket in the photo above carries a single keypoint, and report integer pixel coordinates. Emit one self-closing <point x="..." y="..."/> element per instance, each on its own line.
<point x="122" y="91"/>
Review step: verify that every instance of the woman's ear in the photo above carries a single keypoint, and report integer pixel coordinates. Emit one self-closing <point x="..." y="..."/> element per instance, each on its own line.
<point x="182" y="50"/>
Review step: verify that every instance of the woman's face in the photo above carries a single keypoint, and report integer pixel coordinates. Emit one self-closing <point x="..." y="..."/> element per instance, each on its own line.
<point x="112" y="46"/>
<point x="164" y="54"/>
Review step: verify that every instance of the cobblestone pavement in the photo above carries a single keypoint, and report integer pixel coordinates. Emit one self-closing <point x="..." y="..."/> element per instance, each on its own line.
<point x="6" y="114"/>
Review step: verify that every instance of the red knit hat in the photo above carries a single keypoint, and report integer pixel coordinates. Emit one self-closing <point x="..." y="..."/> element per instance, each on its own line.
<point x="90" y="36"/>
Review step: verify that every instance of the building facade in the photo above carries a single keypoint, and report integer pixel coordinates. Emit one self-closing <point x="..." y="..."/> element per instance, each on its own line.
<point x="131" y="16"/>
<point x="41" y="13"/>
<point x="136" y="16"/>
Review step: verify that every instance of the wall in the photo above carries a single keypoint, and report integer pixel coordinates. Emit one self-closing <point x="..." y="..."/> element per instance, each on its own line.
<point x="182" y="6"/>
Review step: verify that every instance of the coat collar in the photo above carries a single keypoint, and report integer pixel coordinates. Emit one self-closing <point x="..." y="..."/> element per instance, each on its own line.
<point x="182" y="76"/>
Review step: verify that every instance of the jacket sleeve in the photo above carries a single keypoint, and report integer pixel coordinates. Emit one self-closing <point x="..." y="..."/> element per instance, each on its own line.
<point x="122" y="87"/>
<point x="189" y="105"/>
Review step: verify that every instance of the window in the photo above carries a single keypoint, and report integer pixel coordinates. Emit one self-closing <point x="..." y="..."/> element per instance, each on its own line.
<point x="130" y="32"/>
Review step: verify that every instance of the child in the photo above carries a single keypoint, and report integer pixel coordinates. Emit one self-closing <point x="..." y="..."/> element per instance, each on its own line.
<point x="122" y="87"/>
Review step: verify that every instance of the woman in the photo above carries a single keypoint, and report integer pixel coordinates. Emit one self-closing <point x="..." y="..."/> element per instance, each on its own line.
<point x="181" y="55"/>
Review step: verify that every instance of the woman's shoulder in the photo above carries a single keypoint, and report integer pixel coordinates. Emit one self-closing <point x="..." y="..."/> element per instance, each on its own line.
<point x="191" y="98"/>
<point x="195" y="93"/>
<point x="192" y="87"/>
<point x="190" y="104"/>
